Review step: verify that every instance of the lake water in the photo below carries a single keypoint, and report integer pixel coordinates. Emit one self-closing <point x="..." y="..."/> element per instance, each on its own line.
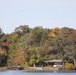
<point x="22" y="72"/>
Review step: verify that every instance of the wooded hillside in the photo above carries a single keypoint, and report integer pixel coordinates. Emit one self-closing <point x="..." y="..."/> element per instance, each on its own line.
<point x="28" y="46"/>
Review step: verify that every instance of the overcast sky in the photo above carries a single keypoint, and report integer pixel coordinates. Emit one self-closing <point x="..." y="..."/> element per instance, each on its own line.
<point x="46" y="13"/>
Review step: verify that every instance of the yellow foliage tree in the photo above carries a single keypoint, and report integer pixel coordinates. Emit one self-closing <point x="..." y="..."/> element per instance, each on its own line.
<point x="69" y="66"/>
<point x="54" y="32"/>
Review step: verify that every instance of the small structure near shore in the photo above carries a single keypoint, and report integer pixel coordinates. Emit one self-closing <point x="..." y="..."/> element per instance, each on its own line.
<point x="54" y="63"/>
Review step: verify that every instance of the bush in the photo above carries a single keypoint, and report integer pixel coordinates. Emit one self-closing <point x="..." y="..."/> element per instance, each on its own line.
<point x="69" y="66"/>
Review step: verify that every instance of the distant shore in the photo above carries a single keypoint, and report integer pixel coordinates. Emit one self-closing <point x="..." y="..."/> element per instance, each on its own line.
<point x="35" y="68"/>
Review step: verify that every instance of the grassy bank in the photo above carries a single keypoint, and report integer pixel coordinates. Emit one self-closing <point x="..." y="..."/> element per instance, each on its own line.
<point x="3" y="68"/>
<point x="42" y="68"/>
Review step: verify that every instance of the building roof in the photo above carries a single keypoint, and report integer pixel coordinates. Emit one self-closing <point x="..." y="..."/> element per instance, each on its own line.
<point x="54" y="61"/>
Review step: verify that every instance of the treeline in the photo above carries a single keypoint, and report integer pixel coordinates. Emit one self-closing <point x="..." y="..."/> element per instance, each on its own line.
<point x="28" y="46"/>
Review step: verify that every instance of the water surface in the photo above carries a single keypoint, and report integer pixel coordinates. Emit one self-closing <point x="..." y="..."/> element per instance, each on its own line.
<point x="22" y="72"/>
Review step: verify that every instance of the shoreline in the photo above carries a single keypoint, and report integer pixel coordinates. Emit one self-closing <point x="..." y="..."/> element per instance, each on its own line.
<point x="32" y="69"/>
